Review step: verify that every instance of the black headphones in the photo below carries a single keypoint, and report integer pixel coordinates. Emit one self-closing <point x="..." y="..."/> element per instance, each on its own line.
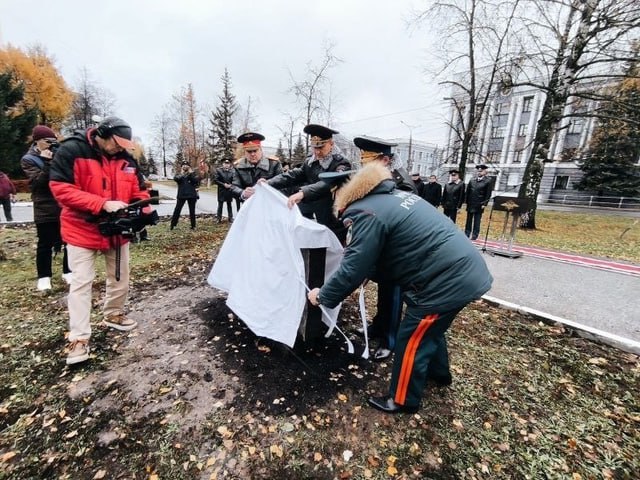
<point x="108" y="125"/>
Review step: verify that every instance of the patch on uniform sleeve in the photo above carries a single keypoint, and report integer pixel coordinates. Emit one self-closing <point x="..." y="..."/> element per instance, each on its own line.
<point x="348" y="223"/>
<point x="131" y="170"/>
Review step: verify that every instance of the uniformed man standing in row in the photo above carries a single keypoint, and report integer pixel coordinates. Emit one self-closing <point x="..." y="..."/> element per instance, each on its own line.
<point x="438" y="269"/>
<point x="453" y="195"/>
<point x="478" y="194"/>
<point x="389" y="304"/>
<point x="253" y="166"/>
<point x="314" y="196"/>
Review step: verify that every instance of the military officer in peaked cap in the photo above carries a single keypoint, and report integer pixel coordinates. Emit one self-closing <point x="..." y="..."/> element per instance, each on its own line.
<point x="314" y="196"/>
<point x="253" y="166"/>
<point x="389" y="305"/>
<point x="477" y="194"/>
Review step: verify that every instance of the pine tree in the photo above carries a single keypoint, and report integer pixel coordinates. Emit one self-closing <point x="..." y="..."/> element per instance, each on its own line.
<point x="280" y="152"/>
<point x="222" y="123"/>
<point x="16" y="122"/>
<point x="611" y="166"/>
<point x="298" y="153"/>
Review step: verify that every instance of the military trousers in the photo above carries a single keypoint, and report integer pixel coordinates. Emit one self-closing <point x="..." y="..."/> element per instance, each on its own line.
<point x="420" y="352"/>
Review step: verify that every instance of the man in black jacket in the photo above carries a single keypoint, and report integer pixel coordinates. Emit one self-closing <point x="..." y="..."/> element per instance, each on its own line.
<point x="188" y="183"/>
<point x="253" y="166"/>
<point x="417" y="181"/>
<point x="314" y="196"/>
<point x="224" y="180"/>
<point x="453" y="195"/>
<point x="433" y="191"/>
<point x="389" y="304"/>
<point x="478" y="194"/>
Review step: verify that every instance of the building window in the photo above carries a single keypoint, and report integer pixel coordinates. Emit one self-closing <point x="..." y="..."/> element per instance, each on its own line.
<point x="517" y="156"/>
<point x="502" y="108"/>
<point x="493" y="157"/>
<point x="561" y="182"/>
<point x="522" y="130"/>
<point x="497" y="132"/>
<point x="576" y="126"/>
<point x="527" y="104"/>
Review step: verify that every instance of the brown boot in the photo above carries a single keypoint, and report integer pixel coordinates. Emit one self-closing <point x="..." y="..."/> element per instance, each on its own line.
<point x="77" y="352"/>
<point x="120" y="322"/>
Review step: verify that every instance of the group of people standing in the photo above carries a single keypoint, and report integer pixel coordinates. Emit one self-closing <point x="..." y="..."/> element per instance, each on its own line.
<point x="476" y="194"/>
<point x="391" y="235"/>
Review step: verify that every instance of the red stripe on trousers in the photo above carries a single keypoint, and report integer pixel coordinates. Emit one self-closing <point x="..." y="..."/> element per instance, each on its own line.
<point x="409" y="357"/>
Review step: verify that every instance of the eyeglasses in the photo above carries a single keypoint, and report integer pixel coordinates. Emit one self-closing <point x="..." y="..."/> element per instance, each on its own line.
<point x="51" y="142"/>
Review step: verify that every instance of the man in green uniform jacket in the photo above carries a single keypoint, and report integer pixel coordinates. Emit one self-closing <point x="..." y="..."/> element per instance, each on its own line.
<point x="437" y="267"/>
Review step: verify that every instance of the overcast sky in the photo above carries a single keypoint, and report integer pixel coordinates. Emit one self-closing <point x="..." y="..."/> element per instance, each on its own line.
<point x="144" y="51"/>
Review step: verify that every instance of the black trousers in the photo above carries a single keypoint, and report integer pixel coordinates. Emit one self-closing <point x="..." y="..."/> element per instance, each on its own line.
<point x="472" y="225"/>
<point x="451" y="213"/>
<point x="6" y="204"/>
<point x="49" y="241"/>
<point x="178" y="210"/>
<point x="384" y="325"/>
<point x="229" y="209"/>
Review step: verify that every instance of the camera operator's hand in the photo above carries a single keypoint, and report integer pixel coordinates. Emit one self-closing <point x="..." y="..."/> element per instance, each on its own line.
<point x="111" y="206"/>
<point x="48" y="154"/>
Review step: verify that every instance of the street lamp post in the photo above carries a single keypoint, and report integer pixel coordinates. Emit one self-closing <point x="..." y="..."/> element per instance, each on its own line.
<point x="410" y="159"/>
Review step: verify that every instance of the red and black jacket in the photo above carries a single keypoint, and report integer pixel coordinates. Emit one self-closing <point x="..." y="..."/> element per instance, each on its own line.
<point x="82" y="179"/>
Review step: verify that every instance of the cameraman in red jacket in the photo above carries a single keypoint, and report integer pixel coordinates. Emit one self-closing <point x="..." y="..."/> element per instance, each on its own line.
<point x="92" y="174"/>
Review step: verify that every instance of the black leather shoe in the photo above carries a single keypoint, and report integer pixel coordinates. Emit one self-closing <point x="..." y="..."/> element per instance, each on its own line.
<point x="381" y="354"/>
<point x="440" y="380"/>
<point x="387" y="405"/>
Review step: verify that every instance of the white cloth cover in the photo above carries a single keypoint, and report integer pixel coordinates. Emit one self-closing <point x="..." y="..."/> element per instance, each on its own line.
<point x="261" y="268"/>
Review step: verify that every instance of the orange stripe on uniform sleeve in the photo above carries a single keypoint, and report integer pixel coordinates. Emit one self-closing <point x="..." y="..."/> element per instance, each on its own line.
<point x="409" y="357"/>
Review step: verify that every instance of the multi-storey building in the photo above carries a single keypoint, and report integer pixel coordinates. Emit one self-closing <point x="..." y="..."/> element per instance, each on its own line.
<point x="418" y="156"/>
<point x="505" y="136"/>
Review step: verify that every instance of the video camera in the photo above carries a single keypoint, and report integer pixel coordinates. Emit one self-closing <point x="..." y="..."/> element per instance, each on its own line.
<point x="53" y="146"/>
<point x="128" y="221"/>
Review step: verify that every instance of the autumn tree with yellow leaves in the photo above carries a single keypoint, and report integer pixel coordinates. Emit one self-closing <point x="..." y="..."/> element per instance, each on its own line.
<point x="44" y="88"/>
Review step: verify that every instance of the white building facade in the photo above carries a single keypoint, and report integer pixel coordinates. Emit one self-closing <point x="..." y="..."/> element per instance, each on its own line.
<point x="505" y="137"/>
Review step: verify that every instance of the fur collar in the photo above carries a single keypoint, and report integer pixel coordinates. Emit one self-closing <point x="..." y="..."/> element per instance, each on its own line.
<point x="360" y="185"/>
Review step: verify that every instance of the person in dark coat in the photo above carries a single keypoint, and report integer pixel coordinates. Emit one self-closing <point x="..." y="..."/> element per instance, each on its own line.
<point x="453" y="195"/>
<point x="7" y="195"/>
<point x="389" y="302"/>
<point x="312" y="195"/>
<point x="188" y="184"/>
<point x="478" y="194"/>
<point x="224" y="180"/>
<point x="433" y="191"/>
<point x="439" y="270"/>
<point x="36" y="164"/>
<point x="419" y="184"/>
<point x="253" y="166"/>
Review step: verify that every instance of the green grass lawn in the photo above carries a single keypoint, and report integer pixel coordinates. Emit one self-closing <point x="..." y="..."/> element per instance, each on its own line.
<point x="529" y="400"/>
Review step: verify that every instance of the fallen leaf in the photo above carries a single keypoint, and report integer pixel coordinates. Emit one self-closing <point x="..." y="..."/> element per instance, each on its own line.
<point x="7" y="456"/>
<point x="276" y="450"/>
<point x="457" y="424"/>
<point x="71" y="434"/>
<point x="347" y="455"/>
<point x="393" y="471"/>
<point x="100" y="474"/>
<point x="342" y="397"/>
<point x="317" y="457"/>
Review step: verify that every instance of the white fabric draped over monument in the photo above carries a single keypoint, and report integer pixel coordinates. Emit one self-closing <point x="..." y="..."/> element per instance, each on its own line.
<point x="261" y="268"/>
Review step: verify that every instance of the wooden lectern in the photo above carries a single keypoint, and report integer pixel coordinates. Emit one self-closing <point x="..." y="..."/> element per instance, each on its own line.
<point x="513" y="208"/>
